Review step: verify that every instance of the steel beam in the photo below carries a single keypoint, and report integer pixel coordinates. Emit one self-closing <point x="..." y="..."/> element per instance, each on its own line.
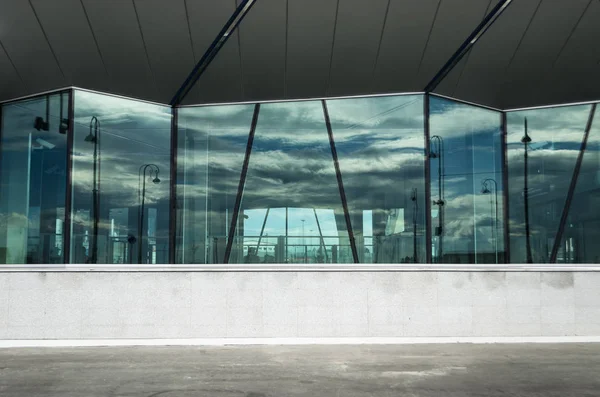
<point x="338" y="174"/>
<point x="487" y="22"/>
<point x="242" y="183"/>
<point x="238" y="15"/>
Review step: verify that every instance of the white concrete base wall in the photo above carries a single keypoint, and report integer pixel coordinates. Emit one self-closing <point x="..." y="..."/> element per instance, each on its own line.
<point x="167" y="305"/>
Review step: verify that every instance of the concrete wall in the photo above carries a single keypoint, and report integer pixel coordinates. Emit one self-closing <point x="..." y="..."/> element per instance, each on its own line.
<point x="70" y="305"/>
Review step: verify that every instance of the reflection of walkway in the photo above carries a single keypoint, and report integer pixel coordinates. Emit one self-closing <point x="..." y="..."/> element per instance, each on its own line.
<point x="525" y="370"/>
<point x="274" y="249"/>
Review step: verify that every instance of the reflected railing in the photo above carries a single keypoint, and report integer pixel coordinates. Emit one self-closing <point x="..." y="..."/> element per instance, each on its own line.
<point x="294" y="249"/>
<point x="45" y="248"/>
<point x="297" y="249"/>
<point x="119" y="249"/>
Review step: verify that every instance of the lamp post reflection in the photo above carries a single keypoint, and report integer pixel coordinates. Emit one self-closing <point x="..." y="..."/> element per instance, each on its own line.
<point x="525" y="141"/>
<point x="141" y="197"/>
<point x="485" y="189"/>
<point x="438" y="143"/>
<point x="94" y="137"/>
<point x="413" y="198"/>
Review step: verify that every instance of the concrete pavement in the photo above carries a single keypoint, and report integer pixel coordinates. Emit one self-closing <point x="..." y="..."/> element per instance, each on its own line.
<point x="267" y="371"/>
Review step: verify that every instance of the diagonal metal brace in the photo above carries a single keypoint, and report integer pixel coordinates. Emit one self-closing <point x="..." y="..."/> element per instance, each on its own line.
<point x="487" y="22"/>
<point x="212" y="51"/>
<point x="572" y="186"/>
<point x="241" y="185"/>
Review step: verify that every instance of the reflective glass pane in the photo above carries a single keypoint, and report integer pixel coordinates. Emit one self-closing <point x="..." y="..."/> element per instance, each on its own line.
<point x="582" y="227"/>
<point x="211" y="145"/>
<point x="554" y="139"/>
<point x="291" y="208"/>
<point x="380" y="145"/>
<point x="121" y="170"/>
<point x="33" y="180"/>
<point x="466" y="183"/>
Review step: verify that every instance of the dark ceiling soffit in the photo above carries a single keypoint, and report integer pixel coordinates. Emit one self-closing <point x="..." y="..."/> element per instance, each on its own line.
<point x="488" y="21"/>
<point x="212" y="50"/>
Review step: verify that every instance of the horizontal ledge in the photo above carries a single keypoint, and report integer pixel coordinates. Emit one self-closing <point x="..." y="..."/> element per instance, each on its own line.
<point x="7" y="344"/>
<point x="301" y="99"/>
<point x="311" y="99"/>
<point x="305" y="268"/>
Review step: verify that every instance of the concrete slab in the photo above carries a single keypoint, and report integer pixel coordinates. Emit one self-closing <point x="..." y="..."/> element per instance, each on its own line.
<point x="264" y="371"/>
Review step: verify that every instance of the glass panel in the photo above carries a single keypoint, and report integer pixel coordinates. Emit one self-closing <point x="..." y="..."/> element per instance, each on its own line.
<point x="466" y="183"/>
<point x="291" y="209"/>
<point x="33" y="180"/>
<point x="211" y="145"/>
<point x="582" y="228"/>
<point x="556" y="135"/>
<point x="380" y="145"/>
<point x="121" y="151"/>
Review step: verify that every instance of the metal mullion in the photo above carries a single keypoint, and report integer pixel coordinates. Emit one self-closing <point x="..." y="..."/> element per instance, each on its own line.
<point x="242" y="183"/>
<point x="505" y="209"/>
<point x="1" y="156"/>
<point x="338" y="174"/>
<point x="572" y="186"/>
<point x="69" y="177"/>
<point x="428" y="258"/>
<point x="173" y="187"/>
<point x="1" y="136"/>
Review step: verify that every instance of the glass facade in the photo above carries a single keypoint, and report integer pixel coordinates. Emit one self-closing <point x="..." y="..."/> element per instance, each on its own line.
<point x="465" y="159"/>
<point x="120" y="180"/>
<point x="91" y="178"/>
<point x="33" y="175"/>
<point x="211" y="142"/>
<point x="291" y="211"/>
<point x="381" y="145"/>
<point x="543" y="149"/>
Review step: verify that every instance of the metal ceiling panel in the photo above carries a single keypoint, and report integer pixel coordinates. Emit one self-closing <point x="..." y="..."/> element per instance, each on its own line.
<point x="309" y="37"/>
<point x="356" y="45"/>
<point x="25" y="44"/>
<point x="115" y="26"/>
<point x="166" y="35"/>
<point x="404" y="38"/>
<point x="262" y="37"/>
<point x="71" y="38"/>
<point x="548" y="32"/>
<point x="450" y="82"/>
<point x="538" y="52"/>
<point x="455" y="20"/>
<point x="222" y="80"/>
<point x="583" y="47"/>
<point x="11" y="85"/>
<point x="480" y="76"/>
<point x="574" y="76"/>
